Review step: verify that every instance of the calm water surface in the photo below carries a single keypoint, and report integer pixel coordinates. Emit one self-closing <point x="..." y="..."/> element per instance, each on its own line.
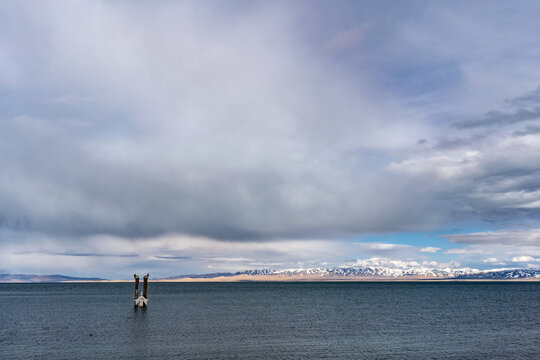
<point x="272" y="321"/>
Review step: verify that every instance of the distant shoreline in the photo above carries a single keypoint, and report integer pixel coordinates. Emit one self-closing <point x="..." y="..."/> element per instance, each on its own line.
<point x="277" y="279"/>
<point x="223" y="280"/>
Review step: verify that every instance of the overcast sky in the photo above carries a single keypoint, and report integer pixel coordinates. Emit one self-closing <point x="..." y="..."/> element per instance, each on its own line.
<point x="193" y="137"/>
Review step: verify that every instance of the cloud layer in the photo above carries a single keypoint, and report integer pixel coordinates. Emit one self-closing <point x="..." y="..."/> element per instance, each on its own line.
<point x="247" y="123"/>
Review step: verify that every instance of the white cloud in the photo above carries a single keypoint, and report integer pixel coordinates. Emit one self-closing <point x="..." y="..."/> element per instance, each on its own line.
<point x="524" y="259"/>
<point x="464" y="251"/>
<point x="401" y="264"/>
<point x="429" y="249"/>
<point x="497" y="247"/>
<point x="386" y="262"/>
<point x="382" y="246"/>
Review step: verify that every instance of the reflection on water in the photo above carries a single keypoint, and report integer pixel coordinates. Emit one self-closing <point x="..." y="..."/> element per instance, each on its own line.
<point x="139" y="331"/>
<point x="272" y="321"/>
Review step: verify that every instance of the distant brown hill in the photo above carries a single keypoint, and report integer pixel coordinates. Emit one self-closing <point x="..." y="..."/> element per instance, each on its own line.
<point x="24" y="278"/>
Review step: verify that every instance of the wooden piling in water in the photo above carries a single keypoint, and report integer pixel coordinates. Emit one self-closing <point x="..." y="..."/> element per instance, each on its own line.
<point x="136" y="295"/>
<point x="145" y="286"/>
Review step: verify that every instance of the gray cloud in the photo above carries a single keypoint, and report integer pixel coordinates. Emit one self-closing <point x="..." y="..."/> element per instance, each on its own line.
<point x="525" y="108"/>
<point x="68" y="253"/>
<point x="529" y="130"/>
<point x="528" y="99"/>
<point x="503" y="237"/>
<point x="498" y="118"/>
<point x="189" y="127"/>
<point x="61" y="185"/>
<point x="172" y="257"/>
<point x="447" y="143"/>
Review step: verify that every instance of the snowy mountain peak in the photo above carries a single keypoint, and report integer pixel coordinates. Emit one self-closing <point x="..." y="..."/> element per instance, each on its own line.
<point x="396" y="272"/>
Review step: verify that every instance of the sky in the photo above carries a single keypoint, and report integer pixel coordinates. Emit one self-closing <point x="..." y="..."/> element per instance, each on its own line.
<point x="198" y="137"/>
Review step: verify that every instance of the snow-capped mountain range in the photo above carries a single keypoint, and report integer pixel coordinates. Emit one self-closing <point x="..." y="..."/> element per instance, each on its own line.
<point x="375" y="272"/>
<point x="316" y="274"/>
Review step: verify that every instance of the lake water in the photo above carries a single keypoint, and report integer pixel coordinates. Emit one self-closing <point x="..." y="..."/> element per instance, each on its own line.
<point x="415" y="320"/>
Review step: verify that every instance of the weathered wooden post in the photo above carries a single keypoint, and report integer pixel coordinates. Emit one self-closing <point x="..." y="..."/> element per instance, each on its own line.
<point x="145" y="287"/>
<point x="136" y="289"/>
